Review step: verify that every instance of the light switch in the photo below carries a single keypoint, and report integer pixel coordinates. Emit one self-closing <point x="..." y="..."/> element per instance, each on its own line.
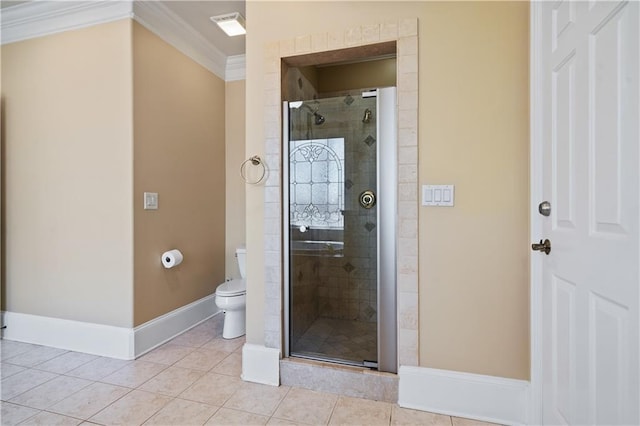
<point x="438" y="195"/>
<point x="151" y="201"/>
<point x="427" y="195"/>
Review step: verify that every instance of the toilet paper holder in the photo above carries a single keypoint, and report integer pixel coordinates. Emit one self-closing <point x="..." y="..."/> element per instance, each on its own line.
<point x="171" y="258"/>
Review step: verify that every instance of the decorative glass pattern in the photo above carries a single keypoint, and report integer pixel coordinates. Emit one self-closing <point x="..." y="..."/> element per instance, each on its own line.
<point x="316" y="183"/>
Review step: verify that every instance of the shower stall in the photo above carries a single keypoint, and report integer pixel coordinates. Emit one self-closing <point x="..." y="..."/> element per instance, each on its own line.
<point x="340" y="264"/>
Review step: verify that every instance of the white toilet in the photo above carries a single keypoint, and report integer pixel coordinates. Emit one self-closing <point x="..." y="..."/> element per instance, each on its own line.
<point x="231" y="297"/>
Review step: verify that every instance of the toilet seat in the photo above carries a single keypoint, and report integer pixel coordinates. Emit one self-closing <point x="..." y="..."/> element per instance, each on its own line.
<point x="236" y="287"/>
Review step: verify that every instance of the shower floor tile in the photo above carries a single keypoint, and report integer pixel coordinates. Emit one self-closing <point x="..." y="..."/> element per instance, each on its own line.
<point x="347" y="340"/>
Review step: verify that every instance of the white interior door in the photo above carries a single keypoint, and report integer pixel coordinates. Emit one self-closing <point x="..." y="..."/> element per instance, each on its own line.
<point x="590" y="136"/>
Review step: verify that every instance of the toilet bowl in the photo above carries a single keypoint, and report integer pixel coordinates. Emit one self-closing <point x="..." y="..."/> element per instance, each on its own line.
<point x="231" y="298"/>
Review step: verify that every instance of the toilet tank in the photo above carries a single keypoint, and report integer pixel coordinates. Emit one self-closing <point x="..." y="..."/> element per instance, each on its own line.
<point x="241" y="255"/>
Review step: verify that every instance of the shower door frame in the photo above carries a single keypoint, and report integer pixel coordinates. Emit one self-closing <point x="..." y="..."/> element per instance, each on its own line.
<point x="387" y="183"/>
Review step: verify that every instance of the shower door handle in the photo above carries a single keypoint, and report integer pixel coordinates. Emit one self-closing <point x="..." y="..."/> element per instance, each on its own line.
<point x="368" y="199"/>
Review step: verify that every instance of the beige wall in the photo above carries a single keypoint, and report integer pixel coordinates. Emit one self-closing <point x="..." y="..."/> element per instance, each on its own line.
<point x="234" y="156"/>
<point x="68" y="170"/>
<point x="473" y="120"/>
<point x="179" y="152"/>
<point x="474" y="305"/>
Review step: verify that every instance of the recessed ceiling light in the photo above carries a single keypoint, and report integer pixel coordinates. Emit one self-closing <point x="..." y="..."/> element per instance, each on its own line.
<point x="231" y="23"/>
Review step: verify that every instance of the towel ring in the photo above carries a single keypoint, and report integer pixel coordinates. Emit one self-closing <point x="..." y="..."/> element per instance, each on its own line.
<point x="256" y="161"/>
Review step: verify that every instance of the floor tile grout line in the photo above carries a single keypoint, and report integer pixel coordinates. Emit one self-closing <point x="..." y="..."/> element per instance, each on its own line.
<point x="333" y="409"/>
<point x="33" y="387"/>
<point x="60" y="400"/>
<point x="213" y="414"/>
<point x="47" y="409"/>
<point x="30" y="417"/>
<point x="58" y="414"/>
<point x="29" y="350"/>
<point x="63" y="373"/>
<point x="280" y="402"/>
<point x="51" y="359"/>
<point x="110" y="404"/>
<point x="156" y="412"/>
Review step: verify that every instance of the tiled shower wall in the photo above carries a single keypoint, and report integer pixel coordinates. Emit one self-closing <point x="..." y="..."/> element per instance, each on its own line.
<point x="305" y="277"/>
<point x="405" y="33"/>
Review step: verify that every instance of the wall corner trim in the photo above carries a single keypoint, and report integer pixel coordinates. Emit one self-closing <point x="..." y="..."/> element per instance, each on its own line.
<point x="475" y="396"/>
<point x="95" y="339"/>
<point x="260" y="364"/>
<point x="236" y="68"/>
<point x="164" y="23"/>
<point x="159" y="330"/>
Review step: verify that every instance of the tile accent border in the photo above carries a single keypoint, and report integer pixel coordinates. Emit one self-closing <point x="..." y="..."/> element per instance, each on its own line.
<point x="405" y="33"/>
<point x="474" y="396"/>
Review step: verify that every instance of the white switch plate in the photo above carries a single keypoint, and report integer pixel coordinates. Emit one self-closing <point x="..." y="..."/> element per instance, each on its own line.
<point x="151" y="201"/>
<point x="438" y="195"/>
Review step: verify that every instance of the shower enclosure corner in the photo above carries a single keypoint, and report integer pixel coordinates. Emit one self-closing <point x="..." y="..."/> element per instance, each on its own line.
<point x="339" y="196"/>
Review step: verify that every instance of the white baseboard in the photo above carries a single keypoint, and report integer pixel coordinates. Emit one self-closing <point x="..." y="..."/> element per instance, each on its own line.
<point x="260" y="364"/>
<point x="163" y="328"/>
<point x="474" y="396"/>
<point x="96" y="339"/>
<point x="105" y="340"/>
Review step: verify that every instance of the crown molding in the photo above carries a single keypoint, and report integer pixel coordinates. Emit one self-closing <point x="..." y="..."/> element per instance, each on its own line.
<point x="160" y="20"/>
<point x="40" y="18"/>
<point x="236" y="68"/>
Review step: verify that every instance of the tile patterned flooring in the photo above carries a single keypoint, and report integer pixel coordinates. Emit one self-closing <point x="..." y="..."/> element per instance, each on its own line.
<point x="192" y="380"/>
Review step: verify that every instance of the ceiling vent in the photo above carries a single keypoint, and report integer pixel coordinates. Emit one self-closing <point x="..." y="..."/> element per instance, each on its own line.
<point x="232" y="24"/>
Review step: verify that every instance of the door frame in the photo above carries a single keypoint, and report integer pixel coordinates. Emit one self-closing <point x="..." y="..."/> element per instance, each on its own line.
<point x="536" y="80"/>
<point x="386" y="239"/>
<point x="403" y="35"/>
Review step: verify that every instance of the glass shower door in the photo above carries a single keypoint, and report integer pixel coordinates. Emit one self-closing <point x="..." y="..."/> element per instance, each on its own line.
<point x="332" y="172"/>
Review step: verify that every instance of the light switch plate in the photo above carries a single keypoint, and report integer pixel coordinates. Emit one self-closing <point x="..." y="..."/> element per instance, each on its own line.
<point x="438" y="195"/>
<point x="151" y="201"/>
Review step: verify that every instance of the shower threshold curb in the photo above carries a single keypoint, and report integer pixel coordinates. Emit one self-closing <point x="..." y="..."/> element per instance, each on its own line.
<point x="339" y="379"/>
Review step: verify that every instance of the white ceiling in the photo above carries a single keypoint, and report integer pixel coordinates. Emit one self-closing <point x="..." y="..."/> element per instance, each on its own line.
<point x="196" y="14"/>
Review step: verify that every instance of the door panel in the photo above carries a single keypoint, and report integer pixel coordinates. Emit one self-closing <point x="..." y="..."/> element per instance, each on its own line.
<point x="591" y="159"/>
<point x="608" y="356"/>
<point x="563" y="129"/>
<point x="564" y="345"/>
<point x="333" y="250"/>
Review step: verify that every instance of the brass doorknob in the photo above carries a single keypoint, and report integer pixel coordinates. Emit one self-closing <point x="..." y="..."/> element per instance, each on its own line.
<point x="368" y="199"/>
<point x="544" y="246"/>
